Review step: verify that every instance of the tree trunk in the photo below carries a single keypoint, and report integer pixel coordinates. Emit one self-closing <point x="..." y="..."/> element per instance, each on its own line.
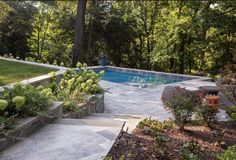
<point x="90" y="29"/>
<point x="78" y="47"/>
<point x="204" y="33"/>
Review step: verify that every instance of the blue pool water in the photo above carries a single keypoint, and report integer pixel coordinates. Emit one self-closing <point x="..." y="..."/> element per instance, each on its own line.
<point x="137" y="79"/>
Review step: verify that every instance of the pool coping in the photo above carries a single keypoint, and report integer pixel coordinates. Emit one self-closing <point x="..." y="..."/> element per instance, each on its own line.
<point x="190" y="77"/>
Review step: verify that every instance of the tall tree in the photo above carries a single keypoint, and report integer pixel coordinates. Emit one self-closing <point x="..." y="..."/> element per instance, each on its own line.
<point x="78" y="47"/>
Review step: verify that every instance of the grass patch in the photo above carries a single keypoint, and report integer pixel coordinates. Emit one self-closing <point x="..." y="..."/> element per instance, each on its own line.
<point x="11" y="72"/>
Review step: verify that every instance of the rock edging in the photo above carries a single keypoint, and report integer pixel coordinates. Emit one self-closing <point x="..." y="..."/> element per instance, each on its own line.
<point x="94" y="104"/>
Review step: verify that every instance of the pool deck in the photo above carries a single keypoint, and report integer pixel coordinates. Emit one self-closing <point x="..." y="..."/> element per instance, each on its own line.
<point x="145" y="102"/>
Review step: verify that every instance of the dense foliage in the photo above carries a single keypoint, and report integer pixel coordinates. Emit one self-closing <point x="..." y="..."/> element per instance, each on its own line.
<point x="73" y="86"/>
<point x="182" y="106"/>
<point x="231" y="111"/>
<point x="171" y="36"/>
<point x="21" y="100"/>
<point x="228" y="154"/>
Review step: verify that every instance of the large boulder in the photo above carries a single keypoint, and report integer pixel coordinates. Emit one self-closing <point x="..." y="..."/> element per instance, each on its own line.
<point x="170" y="91"/>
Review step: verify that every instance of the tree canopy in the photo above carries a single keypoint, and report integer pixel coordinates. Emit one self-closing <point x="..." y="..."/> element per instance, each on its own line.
<point x="171" y="36"/>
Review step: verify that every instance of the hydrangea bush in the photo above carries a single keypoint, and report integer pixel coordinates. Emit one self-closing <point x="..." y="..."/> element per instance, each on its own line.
<point x="21" y="101"/>
<point x="84" y="80"/>
<point x="74" y="85"/>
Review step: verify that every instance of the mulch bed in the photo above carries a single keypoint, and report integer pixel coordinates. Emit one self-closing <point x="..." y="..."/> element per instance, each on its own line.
<point x="140" y="146"/>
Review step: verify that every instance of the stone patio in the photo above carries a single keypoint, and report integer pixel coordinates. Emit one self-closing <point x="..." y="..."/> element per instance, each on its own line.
<point x="125" y="99"/>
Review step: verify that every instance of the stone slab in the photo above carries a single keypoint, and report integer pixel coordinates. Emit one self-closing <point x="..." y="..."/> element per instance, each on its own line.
<point x="65" y="141"/>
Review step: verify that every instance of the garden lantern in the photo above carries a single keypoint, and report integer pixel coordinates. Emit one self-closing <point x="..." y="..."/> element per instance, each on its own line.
<point x="212" y="100"/>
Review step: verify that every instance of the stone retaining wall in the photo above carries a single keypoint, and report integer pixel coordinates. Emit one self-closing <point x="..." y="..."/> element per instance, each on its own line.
<point x="94" y="104"/>
<point x="27" y="126"/>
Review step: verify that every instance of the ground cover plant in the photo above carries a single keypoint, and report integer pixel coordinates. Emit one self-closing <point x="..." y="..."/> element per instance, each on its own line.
<point x="11" y="72"/>
<point x="231" y="111"/>
<point x="20" y="101"/>
<point x="167" y="142"/>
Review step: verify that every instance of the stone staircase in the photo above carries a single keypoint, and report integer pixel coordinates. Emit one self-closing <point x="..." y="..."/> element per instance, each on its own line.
<point x="69" y="139"/>
<point x="131" y="121"/>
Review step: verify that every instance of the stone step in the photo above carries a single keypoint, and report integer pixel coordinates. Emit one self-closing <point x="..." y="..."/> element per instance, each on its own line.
<point x="106" y="122"/>
<point x="131" y="121"/>
<point x="67" y="139"/>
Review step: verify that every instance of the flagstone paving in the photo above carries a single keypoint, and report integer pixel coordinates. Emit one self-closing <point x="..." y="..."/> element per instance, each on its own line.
<point x="67" y="139"/>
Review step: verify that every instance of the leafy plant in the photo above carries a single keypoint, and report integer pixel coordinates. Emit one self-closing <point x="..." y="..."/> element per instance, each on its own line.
<point x="191" y="146"/>
<point x="3" y="104"/>
<point x="207" y="113"/>
<point x="84" y="80"/>
<point x="231" y="111"/>
<point x="6" y="123"/>
<point x="190" y="150"/>
<point x="74" y="85"/>
<point x="182" y="106"/>
<point x="155" y="126"/>
<point x="161" y="140"/>
<point x="185" y="155"/>
<point x="21" y="100"/>
<point x="24" y="100"/>
<point x="228" y="154"/>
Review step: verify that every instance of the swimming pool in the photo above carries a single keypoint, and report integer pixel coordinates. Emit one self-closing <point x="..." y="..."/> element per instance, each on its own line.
<point x="140" y="78"/>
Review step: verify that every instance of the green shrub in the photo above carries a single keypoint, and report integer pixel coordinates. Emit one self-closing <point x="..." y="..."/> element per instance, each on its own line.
<point x="191" y="146"/>
<point x="231" y="111"/>
<point x="207" y="113"/>
<point x="3" y="104"/>
<point x="228" y="154"/>
<point x="182" y="106"/>
<point x="190" y="151"/>
<point x="24" y="100"/>
<point x="74" y="85"/>
<point x="84" y="80"/>
<point x="185" y="155"/>
<point x="161" y="140"/>
<point x="155" y="126"/>
<point x="6" y="123"/>
<point x="19" y="101"/>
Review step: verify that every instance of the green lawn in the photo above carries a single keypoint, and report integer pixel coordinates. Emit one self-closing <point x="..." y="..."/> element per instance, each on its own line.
<point x="11" y="72"/>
